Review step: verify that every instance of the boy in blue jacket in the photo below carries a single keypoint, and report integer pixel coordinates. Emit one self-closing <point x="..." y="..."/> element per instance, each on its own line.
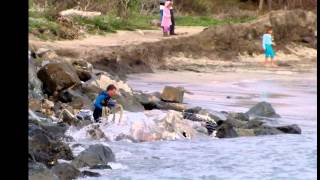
<point x="104" y="99"/>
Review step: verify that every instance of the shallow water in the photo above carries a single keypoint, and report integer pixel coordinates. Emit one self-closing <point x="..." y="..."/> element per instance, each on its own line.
<point x="266" y="157"/>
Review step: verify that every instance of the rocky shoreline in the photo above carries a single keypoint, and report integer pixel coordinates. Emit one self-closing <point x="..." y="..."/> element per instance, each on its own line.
<point x="62" y="87"/>
<point x="61" y="96"/>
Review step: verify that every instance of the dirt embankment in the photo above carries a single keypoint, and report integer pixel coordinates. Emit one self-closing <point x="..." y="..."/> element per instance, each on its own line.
<point x="220" y="46"/>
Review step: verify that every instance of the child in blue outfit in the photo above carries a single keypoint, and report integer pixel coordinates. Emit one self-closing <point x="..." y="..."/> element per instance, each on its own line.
<point x="104" y="99"/>
<point x="267" y="47"/>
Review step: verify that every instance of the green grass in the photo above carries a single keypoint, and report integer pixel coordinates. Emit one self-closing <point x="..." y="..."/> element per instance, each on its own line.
<point x="102" y="24"/>
<point x="44" y="27"/>
<point x="207" y="21"/>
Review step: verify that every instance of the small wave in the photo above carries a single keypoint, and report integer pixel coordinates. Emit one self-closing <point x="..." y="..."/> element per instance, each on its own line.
<point x="117" y="165"/>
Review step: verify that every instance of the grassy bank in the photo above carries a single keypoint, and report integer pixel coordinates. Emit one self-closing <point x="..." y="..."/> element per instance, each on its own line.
<point x="46" y="27"/>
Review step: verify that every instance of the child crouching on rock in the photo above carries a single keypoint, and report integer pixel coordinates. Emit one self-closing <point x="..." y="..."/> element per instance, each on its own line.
<point x="267" y="47"/>
<point x="166" y="18"/>
<point x="104" y="101"/>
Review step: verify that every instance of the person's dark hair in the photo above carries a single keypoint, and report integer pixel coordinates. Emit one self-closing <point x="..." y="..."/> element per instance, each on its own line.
<point x="111" y="87"/>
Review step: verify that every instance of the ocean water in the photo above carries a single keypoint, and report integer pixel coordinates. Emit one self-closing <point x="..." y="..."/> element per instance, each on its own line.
<point x="292" y="157"/>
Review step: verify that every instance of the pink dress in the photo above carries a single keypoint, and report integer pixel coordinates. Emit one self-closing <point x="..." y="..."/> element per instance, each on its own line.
<point x="166" y="19"/>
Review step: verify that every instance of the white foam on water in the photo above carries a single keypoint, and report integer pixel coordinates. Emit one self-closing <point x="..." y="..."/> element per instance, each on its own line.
<point x="115" y="165"/>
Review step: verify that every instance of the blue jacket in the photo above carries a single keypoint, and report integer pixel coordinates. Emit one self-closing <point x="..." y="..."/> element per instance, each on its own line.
<point x="266" y="40"/>
<point x="104" y="100"/>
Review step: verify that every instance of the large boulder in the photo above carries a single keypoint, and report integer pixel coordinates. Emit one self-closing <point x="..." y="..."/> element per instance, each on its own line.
<point x="244" y="132"/>
<point x="153" y="101"/>
<point x="149" y="101"/>
<point x="94" y="155"/>
<point x="254" y="123"/>
<point x="129" y="102"/>
<point x="103" y="80"/>
<point x="290" y="129"/>
<point x="57" y="77"/>
<point x="263" y="109"/>
<point x="172" y="94"/>
<point x="266" y="130"/>
<point x="238" y="116"/>
<point x="47" y="54"/>
<point x="65" y="171"/>
<point x="46" y="147"/>
<point x="38" y="171"/>
<point x="75" y="99"/>
<point x="83" y="69"/>
<point x="226" y="130"/>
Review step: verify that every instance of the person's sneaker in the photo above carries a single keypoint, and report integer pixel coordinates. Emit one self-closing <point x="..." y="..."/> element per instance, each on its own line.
<point x="173" y="34"/>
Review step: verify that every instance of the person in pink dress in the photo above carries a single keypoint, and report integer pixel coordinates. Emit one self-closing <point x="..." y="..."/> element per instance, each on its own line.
<point x="166" y="18"/>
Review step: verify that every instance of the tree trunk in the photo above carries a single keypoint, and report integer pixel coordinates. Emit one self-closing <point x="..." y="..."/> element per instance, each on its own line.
<point x="261" y="5"/>
<point x="270" y="5"/>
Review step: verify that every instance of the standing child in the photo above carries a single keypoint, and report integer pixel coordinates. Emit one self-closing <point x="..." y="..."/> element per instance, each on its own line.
<point x="267" y="47"/>
<point x="166" y="18"/>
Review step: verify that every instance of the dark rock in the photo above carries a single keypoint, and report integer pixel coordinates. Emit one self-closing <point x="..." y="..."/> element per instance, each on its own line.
<point x="290" y="129"/>
<point x="253" y="124"/>
<point x="196" y="109"/>
<point x="262" y="109"/>
<point x="95" y="154"/>
<point x="211" y="126"/>
<point x="101" y="166"/>
<point x="85" y="115"/>
<point x="267" y="130"/>
<point x="57" y="77"/>
<point x="96" y="133"/>
<point x="171" y="106"/>
<point x="83" y="123"/>
<point x="129" y="102"/>
<point x="125" y="137"/>
<point x="38" y="171"/>
<point x="226" y="130"/>
<point x="239" y="116"/>
<point x="308" y="39"/>
<point x="68" y="118"/>
<point x="84" y="75"/>
<point x="56" y="131"/>
<point x="236" y="123"/>
<point x="244" y="132"/>
<point x="45" y="147"/>
<point x="89" y="174"/>
<point x="77" y="145"/>
<point x="83" y="69"/>
<point x="65" y="171"/>
<point x="147" y="100"/>
<point x="172" y="94"/>
<point x="152" y="101"/>
<point x="74" y="98"/>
